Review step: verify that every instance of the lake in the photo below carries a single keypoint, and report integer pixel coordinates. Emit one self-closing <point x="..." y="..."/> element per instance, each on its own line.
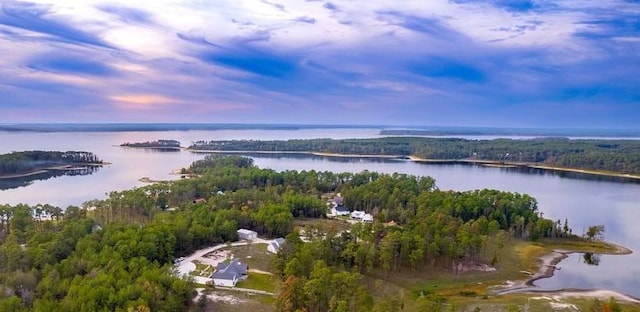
<point x="583" y="201"/>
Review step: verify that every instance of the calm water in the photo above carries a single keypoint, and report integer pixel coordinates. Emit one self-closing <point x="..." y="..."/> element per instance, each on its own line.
<point x="584" y="202"/>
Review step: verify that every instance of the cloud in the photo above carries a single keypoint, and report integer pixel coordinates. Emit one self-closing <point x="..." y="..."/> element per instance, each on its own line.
<point x="71" y="64"/>
<point x="461" y="62"/>
<point x="509" y="5"/>
<point x="429" y="26"/>
<point x="127" y="14"/>
<point x="38" y="18"/>
<point x="277" y="6"/>
<point x="330" y="6"/>
<point x="142" y="101"/>
<point x="439" y="67"/>
<point x="306" y="19"/>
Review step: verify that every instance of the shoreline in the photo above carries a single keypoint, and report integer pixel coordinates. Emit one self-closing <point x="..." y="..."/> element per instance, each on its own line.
<point x="547" y="269"/>
<point x="47" y="169"/>
<point x="322" y="154"/>
<point x="486" y="163"/>
<point x="506" y="164"/>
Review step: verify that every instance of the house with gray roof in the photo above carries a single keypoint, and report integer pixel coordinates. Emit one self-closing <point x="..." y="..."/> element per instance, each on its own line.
<point x="229" y="273"/>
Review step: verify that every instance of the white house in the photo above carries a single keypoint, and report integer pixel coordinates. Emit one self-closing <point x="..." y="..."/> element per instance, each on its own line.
<point x="247" y="234"/>
<point x="367" y="218"/>
<point x="228" y="274"/>
<point x="357" y="215"/>
<point x="275" y="245"/>
<point x="340" y="211"/>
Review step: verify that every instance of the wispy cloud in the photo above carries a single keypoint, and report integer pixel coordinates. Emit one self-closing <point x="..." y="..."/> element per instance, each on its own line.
<point x="127" y="14"/>
<point x="470" y="62"/>
<point x="37" y="18"/>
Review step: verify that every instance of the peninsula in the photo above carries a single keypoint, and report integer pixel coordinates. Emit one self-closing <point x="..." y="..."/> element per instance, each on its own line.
<point x="27" y="163"/>
<point x="619" y="158"/>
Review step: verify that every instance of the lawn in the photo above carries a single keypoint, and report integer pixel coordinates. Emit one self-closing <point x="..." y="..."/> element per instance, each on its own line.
<point x="246" y="302"/>
<point x="255" y="255"/>
<point x="335" y="225"/>
<point x="259" y="281"/>
<point x="204" y="270"/>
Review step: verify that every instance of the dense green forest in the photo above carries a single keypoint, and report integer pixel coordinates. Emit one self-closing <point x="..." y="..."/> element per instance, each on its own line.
<point x="30" y="161"/>
<point x="116" y="254"/>
<point x="154" y="144"/>
<point x="622" y="156"/>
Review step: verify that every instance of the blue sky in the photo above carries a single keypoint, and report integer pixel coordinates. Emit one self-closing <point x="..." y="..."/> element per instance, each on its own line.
<point x="519" y="63"/>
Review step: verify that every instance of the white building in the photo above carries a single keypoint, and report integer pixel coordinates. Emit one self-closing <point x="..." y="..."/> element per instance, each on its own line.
<point x="275" y="245"/>
<point x="228" y="274"/>
<point x="247" y="234"/>
<point x="340" y="211"/>
<point x="367" y="218"/>
<point x="357" y="215"/>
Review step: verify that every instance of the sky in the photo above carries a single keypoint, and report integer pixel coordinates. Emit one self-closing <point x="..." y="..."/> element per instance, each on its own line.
<point x="511" y="63"/>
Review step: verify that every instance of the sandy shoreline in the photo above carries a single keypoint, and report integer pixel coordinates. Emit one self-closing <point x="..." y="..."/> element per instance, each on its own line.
<point x="547" y="268"/>
<point x="506" y="164"/>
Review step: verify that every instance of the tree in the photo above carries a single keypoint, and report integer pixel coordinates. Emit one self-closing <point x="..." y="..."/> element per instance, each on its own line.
<point x="595" y="232"/>
<point x="291" y="297"/>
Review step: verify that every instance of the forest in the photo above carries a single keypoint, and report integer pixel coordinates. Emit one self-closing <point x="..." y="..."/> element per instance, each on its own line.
<point x="17" y="163"/>
<point x="620" y="156"/>
<point x="163" y="144"/>
<point x="117" y="254"/>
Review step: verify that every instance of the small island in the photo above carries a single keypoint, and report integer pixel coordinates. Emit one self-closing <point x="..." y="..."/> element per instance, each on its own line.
<point x="162" y="145"/>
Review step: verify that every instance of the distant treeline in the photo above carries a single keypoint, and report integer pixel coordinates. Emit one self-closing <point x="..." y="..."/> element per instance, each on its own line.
<point x="621" y="156"/>
<point x="530" y="132"/>
<point x="31" y="161"/>
<point x="154" y="144"/>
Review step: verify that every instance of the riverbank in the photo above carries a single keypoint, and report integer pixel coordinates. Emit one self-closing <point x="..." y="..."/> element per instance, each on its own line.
<point x="413" y="158"/>
<point x="309" y="153"/>
<point x="506" y="164"/>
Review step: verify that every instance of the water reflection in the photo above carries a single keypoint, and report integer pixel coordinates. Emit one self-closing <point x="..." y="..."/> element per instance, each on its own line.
<point x="10" y="183"/>
<point x="570" y="174"/>
<point x="316" y="157"/>
<point x="591" y="258"/>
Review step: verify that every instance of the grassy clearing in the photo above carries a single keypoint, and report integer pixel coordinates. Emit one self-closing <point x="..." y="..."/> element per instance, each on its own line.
<point x="255" y="255"/>
<point x="203" y="270"/>
<point x="246" y="302"/>
<point x="437" y="279"/>
<point x="466" y="291"/>
<point x="328" y="225"/>
<point x="472" y="289"/>
<point x="582" y="245"/>
<point x="259" y="281"/>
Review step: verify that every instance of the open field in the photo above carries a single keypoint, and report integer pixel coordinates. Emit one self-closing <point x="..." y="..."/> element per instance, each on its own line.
<point x="328" y="225"/>
<point x="260" y="281"/>
<point x="255" y="255"/>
